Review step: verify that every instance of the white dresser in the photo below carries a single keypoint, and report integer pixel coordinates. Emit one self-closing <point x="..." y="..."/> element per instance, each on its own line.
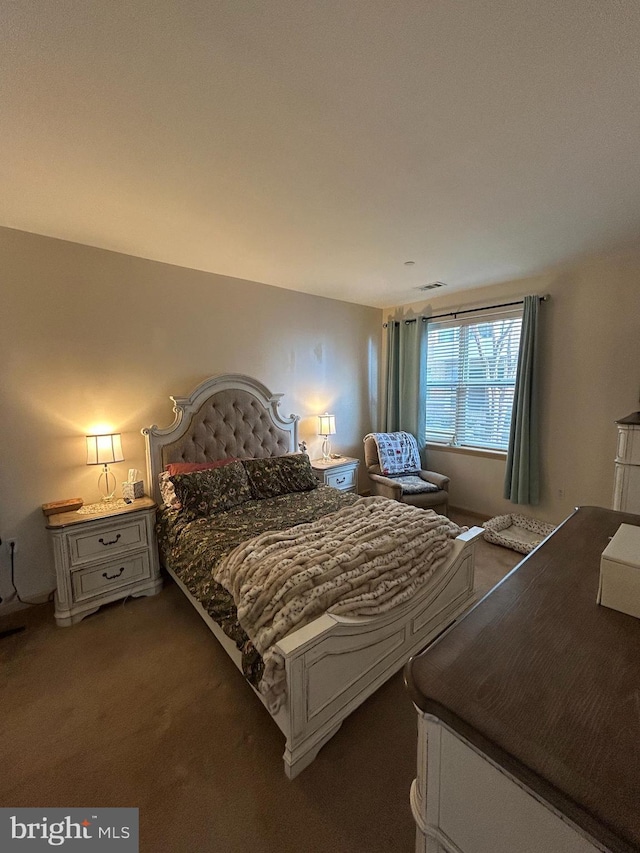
<point x="626" y="485"/>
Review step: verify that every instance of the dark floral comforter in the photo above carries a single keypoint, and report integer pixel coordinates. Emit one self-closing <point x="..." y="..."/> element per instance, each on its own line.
<point x="191" y="549"/>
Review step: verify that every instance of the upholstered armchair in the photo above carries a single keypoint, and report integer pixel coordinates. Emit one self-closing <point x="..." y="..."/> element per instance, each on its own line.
<point x="393" y="487"/>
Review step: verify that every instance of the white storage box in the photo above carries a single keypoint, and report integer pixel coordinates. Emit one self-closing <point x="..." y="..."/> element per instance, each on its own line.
<point x="620" y="571"/>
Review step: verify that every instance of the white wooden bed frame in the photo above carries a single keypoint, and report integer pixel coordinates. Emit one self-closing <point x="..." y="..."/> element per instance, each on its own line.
<point x="333" y="664"/>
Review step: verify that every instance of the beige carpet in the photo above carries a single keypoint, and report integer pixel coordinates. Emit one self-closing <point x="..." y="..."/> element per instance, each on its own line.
<point x="138" y="706"/>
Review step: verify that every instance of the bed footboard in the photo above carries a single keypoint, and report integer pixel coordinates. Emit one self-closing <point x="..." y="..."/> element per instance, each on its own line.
<point x="335" y="663"/>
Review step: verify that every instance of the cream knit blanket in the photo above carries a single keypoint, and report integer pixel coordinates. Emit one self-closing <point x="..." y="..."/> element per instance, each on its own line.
<point x="362" y="560"/>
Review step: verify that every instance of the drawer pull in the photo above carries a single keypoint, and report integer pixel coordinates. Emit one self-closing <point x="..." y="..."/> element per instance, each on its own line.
<point x="111" y="577"/>
<point x="111" y="541"/>
<point x="340" y="480"/>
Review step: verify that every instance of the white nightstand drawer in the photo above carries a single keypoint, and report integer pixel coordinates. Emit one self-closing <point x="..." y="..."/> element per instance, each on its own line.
<point x="104" y="540"/>
<point x="86" y="583"/>
<point x="100" y="558"/>
<point x="340" y="473"/>
<point x="344" y="479"/>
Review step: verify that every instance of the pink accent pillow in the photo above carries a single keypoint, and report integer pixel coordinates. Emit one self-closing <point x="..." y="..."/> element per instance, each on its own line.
<point x="189" y="467"/>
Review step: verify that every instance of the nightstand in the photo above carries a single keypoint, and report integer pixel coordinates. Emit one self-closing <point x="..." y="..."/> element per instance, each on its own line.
<point x="340" y="473"/>
<point x="103" y="557"/>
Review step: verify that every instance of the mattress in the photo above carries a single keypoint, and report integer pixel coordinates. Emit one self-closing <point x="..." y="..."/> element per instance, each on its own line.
<point x="192" y="548"/>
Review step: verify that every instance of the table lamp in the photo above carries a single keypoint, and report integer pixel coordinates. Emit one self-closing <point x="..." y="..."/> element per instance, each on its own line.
<point x="326" y="427"/>
<point x="104" y="450"/>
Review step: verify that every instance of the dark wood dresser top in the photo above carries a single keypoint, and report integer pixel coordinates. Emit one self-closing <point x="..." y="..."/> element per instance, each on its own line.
<point x="546" y="682"/>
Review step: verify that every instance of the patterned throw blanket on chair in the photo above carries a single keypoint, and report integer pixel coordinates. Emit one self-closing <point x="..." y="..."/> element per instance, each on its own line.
<point x="362" y="560"/>
<point x="397" y="452"/>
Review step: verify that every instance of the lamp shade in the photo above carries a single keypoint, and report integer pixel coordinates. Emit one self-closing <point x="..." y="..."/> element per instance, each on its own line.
<point x="326" y="424"/>
<point x="104" y="449"/>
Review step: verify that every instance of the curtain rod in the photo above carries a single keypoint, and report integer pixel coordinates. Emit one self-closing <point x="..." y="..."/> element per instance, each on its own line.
<point x="471" y="310"/>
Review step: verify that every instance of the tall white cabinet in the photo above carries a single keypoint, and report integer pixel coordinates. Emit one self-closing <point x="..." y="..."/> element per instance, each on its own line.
<point x="626" y="486"/>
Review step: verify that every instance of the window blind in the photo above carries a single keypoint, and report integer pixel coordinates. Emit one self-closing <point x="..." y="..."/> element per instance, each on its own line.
<point x="471" y="372"/>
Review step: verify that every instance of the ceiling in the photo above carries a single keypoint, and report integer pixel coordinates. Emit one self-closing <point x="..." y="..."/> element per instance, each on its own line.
<point x="317" y="145"/>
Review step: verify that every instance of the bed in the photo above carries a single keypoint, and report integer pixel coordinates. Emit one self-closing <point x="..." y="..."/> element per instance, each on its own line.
<point x="331" y="664"/>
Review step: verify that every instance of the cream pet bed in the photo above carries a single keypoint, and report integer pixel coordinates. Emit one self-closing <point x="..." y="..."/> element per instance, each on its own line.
<point x="519" y="532"/>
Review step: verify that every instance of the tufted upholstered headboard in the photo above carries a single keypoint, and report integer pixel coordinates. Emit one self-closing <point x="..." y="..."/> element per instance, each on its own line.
<point x="229" y="415"/>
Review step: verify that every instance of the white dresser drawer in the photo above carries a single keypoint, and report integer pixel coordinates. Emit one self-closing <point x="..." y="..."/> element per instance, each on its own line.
<point x="87" y="583"/>
<point x="101" y="541"/>
<point x="345" y="479"/>
<point x="339" y="473"/>
<point x="483" y="810"/>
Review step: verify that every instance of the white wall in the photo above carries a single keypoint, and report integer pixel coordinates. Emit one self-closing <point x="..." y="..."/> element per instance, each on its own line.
<point x="590" y="376"/>
<point x="91" y="336"/>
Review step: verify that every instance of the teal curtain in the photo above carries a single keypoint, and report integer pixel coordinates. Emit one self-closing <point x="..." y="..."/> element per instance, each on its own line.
<point x="392" y="384"/>
<point x="406" y="378"/>
<point x="521" y="482"/>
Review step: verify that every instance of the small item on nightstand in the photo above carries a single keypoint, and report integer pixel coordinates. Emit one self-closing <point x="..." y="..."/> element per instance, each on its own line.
<point x="336" y="456"/>
<point x="70" y="505"/>
<point x="133" y="488"/>
<point x="133" y="491"/>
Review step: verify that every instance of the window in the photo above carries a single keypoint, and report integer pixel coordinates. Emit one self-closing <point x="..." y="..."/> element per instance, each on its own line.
<point x="471" y="374"/>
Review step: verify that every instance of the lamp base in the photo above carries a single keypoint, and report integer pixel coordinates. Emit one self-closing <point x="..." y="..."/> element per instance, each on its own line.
<point x="107" y="484"/>
<point x="326" y="449"/>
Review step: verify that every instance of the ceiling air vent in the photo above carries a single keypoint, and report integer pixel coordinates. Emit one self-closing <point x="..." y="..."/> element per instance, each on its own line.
<point x="432" y="285"/>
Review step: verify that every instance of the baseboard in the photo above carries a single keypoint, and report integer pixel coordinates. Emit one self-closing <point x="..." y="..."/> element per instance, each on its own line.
<point x="470" y="512"/>
<point x="365" y="493"/>
<point x="11" y="605"/>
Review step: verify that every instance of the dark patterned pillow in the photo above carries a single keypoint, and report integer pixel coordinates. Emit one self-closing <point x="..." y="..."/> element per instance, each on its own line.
<point x="279" y="475"/>
<point x="203" y="493"/>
